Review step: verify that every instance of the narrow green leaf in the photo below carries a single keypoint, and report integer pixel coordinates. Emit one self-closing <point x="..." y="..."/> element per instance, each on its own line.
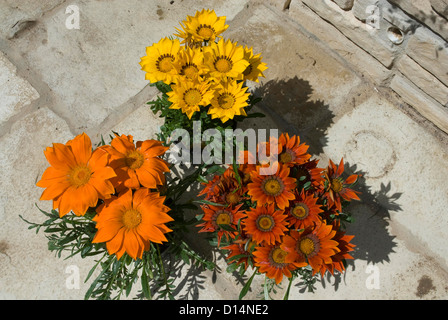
<point x="247" y="286"/>
<point x="265" y="289"/>
<point x="286" y="297"/>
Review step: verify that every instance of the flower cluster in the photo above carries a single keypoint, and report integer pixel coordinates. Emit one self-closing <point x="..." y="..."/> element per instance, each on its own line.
<point x="121" y="181"/>
<point x="283" y="221"/>
<point x="205" y="72"/>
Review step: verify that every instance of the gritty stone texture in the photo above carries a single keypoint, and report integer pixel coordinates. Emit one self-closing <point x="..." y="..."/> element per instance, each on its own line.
<point x="108" y="45"/>
<point x="423" y="79"/>
<point x="318" y="85"/>
<point x="360" y="33"/>
<point x="344" y="4"/>
<point x="142" y="124"/>
<point x="29" y="270"/>
<point x="362" y="9"/>
<point x="359" y="59"/>
<point x="441" y="7"/>
<point x="383" y="165"/>
<point x="430" y="52"/>
<point x="17" y="16"/>
<point x="304" y="102"/>
<point x="398" y="17"/>
<point x="425" y="105"/>
<point x="423" y="12"/>
<point x="16" y="92"/>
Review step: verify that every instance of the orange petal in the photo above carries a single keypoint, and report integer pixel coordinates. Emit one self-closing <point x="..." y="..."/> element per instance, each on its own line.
<point x="99" y="159"/>
<point x="148" y="179"/>
<point x="123" y="144"/>
<point x="66" y="201"/>
<point x="131" y="243"/>
<point x="82" y="148"/>
<point x="115" y="245"/>
<point x="86" y="196"/>
<point x="64" y="154"/>
<point x="340" y="167"/>
<point x="54" y="190"/>
<point x="152" y="148"/>
<point x="50" y="176"/>
<point x="352" y="179"/>
<point x="132" y="182"/>
<point x="106" y="234"/>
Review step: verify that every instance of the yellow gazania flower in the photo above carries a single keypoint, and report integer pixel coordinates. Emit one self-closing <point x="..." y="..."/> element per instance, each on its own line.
<point x="225" y="59"/>
<point x="255" y="68"/>
<point x="205" y="26"/>
<point x="229" y="100"/>
<point x="189" y="96"/>
<point x="190" y="64"/>
<point x="159" y="59"/>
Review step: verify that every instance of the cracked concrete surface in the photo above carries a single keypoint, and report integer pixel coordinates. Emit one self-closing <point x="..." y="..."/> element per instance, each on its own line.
<point x="57" y="82"/>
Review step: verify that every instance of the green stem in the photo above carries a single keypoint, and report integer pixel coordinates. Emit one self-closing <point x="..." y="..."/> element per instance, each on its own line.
<point x="162" y="268"/>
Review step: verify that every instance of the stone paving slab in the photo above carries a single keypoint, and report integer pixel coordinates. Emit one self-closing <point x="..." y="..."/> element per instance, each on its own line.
<point x="16" y="92"/>
<point x="89" y="79"/>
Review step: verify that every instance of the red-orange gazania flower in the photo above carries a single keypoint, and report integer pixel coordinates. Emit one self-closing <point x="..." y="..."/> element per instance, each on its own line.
<point x="247" y="163"/>
<point x="337" y="189"/>
<point x="229" y="190"/>
<point x="291" y="151"/>
<point x="130" y="222"/>
<point x="241" y="250"/>
<point x="210" y="189"/>
<point x="277" y="188"/>
<point x="310" y="173"/>
<point x="312" y="245"/>
<point x="222" y="220"/>
<point x="77" y="177"/>
<point x="265" y="224"/>
<point x="304" y="211"/>
<point x="137" y="165"/>
<point x="344" y="247"/>
<point x="268" y="151"/>
<point x="271" y="260"/>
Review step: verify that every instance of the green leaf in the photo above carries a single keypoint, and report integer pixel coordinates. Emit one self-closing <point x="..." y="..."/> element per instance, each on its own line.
<point x="237" y="257"/>
<point x="265" y="289"/>
<point x="227" y="227"/>
<point x="255" y="100"/>
<point x="247" y="286"/>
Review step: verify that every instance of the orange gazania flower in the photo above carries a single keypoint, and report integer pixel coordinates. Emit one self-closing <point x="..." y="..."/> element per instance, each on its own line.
<point x="277" y="188"/>
<point x="312" y="245"/>
<point x="77" y="177"/>
<point x="221" y="220"/>
<point x="337" y="189"/>
<point x="344" y="247"/>
<point x="130" y="222"/>
<point x="265" y="224"/>
<point x="271" y="260"/>
<point x="291" y="151"/>
<point x="304" y="211"/>
<point x="137" y="165"/>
